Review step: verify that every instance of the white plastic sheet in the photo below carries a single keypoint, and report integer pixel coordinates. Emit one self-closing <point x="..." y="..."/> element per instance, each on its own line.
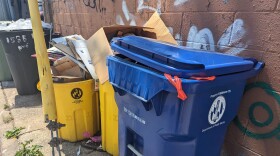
<point x="22" y="24"/>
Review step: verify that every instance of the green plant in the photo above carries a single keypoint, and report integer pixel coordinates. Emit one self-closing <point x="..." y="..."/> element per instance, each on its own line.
<point x="27" y="150"/>
<point x="6" y="106"/>
<point x="14" y="133"/>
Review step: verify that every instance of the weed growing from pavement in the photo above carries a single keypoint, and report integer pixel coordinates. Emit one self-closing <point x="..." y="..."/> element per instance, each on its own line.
<point x="6" y="107"/>
<point x="14" y="133"/>
<point x="29" y="150"/>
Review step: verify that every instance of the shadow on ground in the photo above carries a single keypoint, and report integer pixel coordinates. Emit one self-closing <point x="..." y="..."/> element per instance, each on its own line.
<point x="28" y="100"/>
<point x="7" y="84"/>
<point x="71" y="149"/>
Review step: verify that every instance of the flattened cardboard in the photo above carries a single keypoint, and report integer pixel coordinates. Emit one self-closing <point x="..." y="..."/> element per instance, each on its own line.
<point x="99" y="46"/>
<point x="81" y="49"/>
<point x="64" y="49"/>
<point x="66" y="79"/>
<point x="68" y="52"/>
<point x="62" y="40"/>
<point x="72" y="47"/>
<point x="160" y="29"/>
<point x="63" y="64"/>
<point x="75" y="71"/>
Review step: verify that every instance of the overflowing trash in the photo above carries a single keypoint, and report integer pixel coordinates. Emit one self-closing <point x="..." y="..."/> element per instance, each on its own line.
<point x="133" y="85"/>
<point x="70" y="60"/>
<point x="21" y="24"/>
<point x="4" y="24"/>
<point x="18" y="46"/>
<point x="74" y="80"/>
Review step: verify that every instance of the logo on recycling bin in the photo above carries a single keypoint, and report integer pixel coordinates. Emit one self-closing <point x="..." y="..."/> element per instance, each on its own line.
<point x="76" y="93"/>
<point x="217" y="110"/>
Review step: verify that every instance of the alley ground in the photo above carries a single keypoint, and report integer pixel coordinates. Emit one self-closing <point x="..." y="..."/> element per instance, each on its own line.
<point x="26" y="111"/>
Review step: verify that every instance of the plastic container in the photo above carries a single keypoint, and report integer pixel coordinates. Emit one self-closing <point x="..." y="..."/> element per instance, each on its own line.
<point x="77" y="107"/>
<point x="160" y="115"/>
<point x="5" y="74"/>
<point x="179" y="61"/>
<point x="18" y="47"/>
<point x="109" y="119"/>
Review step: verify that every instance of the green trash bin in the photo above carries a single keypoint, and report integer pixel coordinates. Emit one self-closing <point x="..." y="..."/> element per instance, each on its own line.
<point x="5" y="74"/>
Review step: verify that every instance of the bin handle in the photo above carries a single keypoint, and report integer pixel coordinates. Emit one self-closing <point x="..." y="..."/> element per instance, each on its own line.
<point x="177" y="83"/>
<point x="210" y="78"/>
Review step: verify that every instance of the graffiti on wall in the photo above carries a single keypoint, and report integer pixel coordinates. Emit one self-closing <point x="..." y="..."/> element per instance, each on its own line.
<point x="230" y="42"/>
<point x="130" y="18"/>
<point x="267" y="130"/>
<point x="179" y="2"/>
<point x="95" y="4"/>
<point x="200" y="39"/>
<point x="225" y="1"/>
<point x="141" y="6"/>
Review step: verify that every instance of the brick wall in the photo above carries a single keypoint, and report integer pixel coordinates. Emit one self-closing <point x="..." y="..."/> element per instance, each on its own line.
<point x="245" y="28"/>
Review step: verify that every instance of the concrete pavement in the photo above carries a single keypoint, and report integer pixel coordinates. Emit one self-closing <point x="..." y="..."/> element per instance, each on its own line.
<point x="26" y="111"/>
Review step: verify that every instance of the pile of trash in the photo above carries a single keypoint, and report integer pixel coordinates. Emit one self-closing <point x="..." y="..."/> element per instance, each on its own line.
<point x="74" y="59"/>
<point x="21" y="24"/>
<point x="4" y="24"/>
<point x="70" y="60"/>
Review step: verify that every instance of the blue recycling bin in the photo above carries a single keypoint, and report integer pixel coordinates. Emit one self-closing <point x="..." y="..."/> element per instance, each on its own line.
<point x="188" y="114"/>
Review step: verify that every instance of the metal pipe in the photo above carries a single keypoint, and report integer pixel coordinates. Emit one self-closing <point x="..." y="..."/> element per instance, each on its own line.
<point x="48" y="98"/>
<point x="58" y="148"/>
<point x="53" y="153"/>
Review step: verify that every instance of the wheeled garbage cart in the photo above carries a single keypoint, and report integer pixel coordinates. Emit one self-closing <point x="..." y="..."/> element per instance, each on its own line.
<point x="18" y="46"/>
<point x="173" y="100"/>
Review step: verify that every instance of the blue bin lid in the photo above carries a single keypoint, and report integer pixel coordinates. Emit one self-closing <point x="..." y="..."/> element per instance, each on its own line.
<point x="179" y="61"/>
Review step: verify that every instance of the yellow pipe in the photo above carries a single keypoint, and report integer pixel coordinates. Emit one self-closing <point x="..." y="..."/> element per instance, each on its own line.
<point x="48" y="98"/>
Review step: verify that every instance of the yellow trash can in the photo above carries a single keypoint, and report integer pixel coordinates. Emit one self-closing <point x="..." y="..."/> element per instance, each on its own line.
<point x="109" y="119"/>
<point x="77" y="108"/>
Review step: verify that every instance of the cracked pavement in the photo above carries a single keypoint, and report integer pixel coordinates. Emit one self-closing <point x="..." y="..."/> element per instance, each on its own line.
<point x="26" y="111"/>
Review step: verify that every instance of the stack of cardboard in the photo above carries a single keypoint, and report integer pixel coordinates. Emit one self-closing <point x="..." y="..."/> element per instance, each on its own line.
<point x="85" y="59"/>
<point x="81" y="59"/>
<point x="99" y="43"/>
<point x="75" y="63"/>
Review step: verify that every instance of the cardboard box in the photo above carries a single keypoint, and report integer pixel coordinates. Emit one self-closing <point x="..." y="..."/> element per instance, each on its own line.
<point x="67" y="79"/>
<point x="99" y="46"/>
<point x="63" y="64"/>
